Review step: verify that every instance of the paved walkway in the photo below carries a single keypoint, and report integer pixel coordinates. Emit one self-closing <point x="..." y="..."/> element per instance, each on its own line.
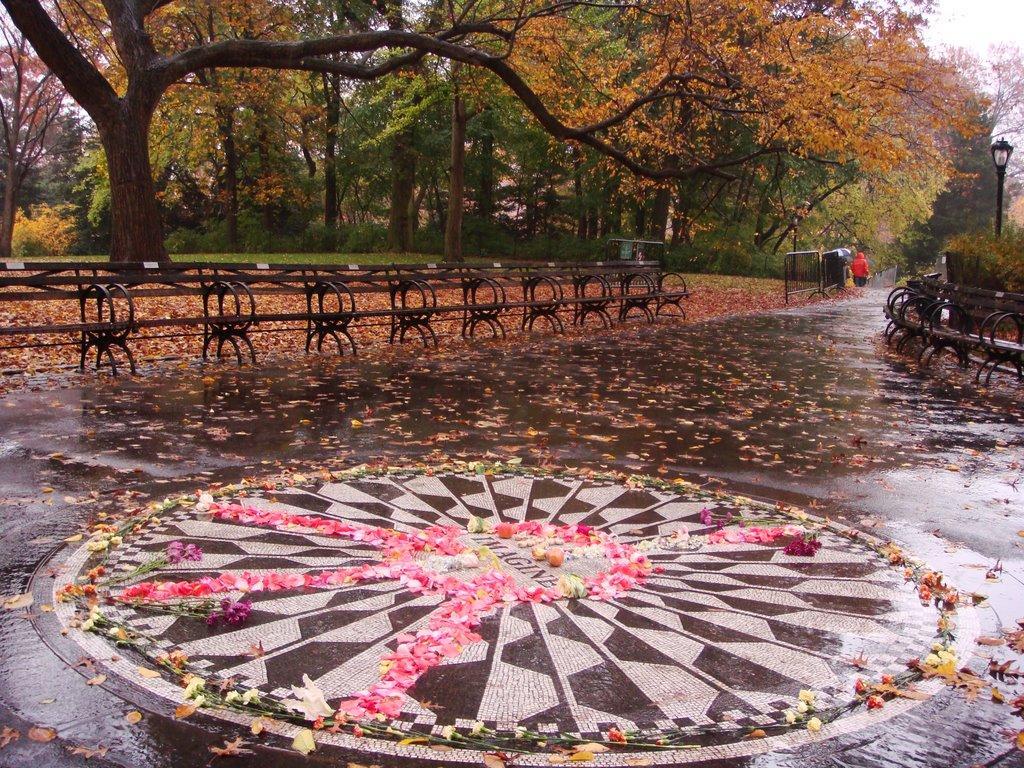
<point x="802" y="406"/>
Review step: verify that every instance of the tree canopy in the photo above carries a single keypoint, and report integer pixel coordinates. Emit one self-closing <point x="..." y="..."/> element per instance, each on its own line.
<point x="659" y="116"/>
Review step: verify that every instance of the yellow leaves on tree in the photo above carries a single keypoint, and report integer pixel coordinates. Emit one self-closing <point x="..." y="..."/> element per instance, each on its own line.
<point x="743" y="78"/>
<point x="45" y="231"/>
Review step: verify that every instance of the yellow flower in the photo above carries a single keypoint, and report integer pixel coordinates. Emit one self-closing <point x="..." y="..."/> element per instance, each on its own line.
<point x="932" y="660"/>
<point x="801" y="707"/>
<point x="250" y="696"/>
<point x="570" y="585"/>
<point x="814" y="725"/>
<point x="790" y="716"/>
<point x="195" y="685"/>
<point x="807" y="696"/>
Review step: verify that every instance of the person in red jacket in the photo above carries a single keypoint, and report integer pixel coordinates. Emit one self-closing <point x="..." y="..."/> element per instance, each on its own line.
<point x="860" y="269"/>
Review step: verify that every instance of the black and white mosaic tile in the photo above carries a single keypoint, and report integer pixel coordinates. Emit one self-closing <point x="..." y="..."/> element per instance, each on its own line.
<point x="725" y="634"/>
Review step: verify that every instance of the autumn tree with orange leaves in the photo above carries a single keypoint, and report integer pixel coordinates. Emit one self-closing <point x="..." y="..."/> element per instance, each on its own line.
<point x="31" y="102"/>
<point x="666" y="90"/>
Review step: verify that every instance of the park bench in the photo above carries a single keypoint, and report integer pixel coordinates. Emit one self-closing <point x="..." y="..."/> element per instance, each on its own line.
<point x="975" y="324"/>
<point x="227" y="303"/>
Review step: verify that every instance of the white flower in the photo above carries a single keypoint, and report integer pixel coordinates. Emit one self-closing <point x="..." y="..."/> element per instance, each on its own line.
<point x="232" y="696"/>
<point x="814" y="725"/>
<point x="115" y="541"/>
<point x="469" y="559"/>
<point x="801" y="707"/>
<point x="88" y="624"/>
<point x="476" y="525"/>
<point x="807" y="696"/>
<point x="570" y="585"/>
<point x="448" y="731"/>
<point x="195" y="685"/>
<point x="97" y="545"/>
<point x="204" y="503"/>
<point x="478" y="726"/>
<point x="250" y="696"/>
<point x="932" y="660"/>
<point x="790" y="716"/>
<point x="113" y="632"/>
<point x="199" y="700"/>
<point x="310" y="701"/>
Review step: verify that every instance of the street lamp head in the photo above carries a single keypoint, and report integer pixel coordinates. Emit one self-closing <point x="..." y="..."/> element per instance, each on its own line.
<point x="1001" y="151"/>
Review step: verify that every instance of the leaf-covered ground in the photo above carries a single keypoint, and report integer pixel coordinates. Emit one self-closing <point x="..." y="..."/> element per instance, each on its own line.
<point x="22" y="357"/>
<point x="801" y="406"/>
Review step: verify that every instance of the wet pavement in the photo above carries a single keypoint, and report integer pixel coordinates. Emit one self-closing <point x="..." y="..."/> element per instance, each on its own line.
<point x="806" y="407"/>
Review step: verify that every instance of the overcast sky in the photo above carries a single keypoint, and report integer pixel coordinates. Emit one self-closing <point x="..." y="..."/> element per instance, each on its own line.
<point x="977" y="24"/>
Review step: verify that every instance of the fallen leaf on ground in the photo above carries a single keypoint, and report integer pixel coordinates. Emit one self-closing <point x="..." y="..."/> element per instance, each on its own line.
<point x="303" y="742"/>
<point x="593" y="748"/>
<point x="147" y="672"/>
<point x="42" y="735"/>
<point x="184" y="710"/>
<point x="860" y="661"/>
<point x="17" y="601"/>
<point x="98" y="680"/>
<point x="133" y="717"/>
<point x="87" y="752"/>
<point x="256" y="650"/>
<point x="233" y="748"/>
<point x="991" y="640"/>
<point x="7" y="735"/>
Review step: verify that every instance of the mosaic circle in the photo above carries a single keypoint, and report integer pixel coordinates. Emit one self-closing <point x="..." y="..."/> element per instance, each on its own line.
<point x="559" y="605"/>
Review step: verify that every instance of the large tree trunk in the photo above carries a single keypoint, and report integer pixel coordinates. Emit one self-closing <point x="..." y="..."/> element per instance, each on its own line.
<point x="136" y="232"/>
<point x="659" y="214"/>
<point x="457" y="183"/>
<point x="485" y="195"/>
<point x="267" y="208"/>
<point x="227" y="135"/>
<point x="640" y="220"/>
<point x="581" y="211"/>
<point x="403" y="186"/>
<point x="332" y="92"/>
<point x="7" y="212"/>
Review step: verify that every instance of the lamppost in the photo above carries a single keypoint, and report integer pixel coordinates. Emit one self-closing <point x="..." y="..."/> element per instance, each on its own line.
<point x="1001" y="151"/>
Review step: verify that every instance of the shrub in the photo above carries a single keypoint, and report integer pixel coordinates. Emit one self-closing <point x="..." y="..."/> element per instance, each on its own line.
<point x="988" y="261"/>
<point x="365" y="238"/>
<point x="320" y="238"/>
<point x="430" y="240"/>
<point x="47" y="230"/>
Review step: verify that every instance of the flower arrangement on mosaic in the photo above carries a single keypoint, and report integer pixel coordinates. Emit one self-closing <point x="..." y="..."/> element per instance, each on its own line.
<point x="459" y="566"/>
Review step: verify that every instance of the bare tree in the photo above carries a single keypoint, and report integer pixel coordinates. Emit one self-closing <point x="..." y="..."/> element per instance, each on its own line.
<point x="31" y="101"/>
